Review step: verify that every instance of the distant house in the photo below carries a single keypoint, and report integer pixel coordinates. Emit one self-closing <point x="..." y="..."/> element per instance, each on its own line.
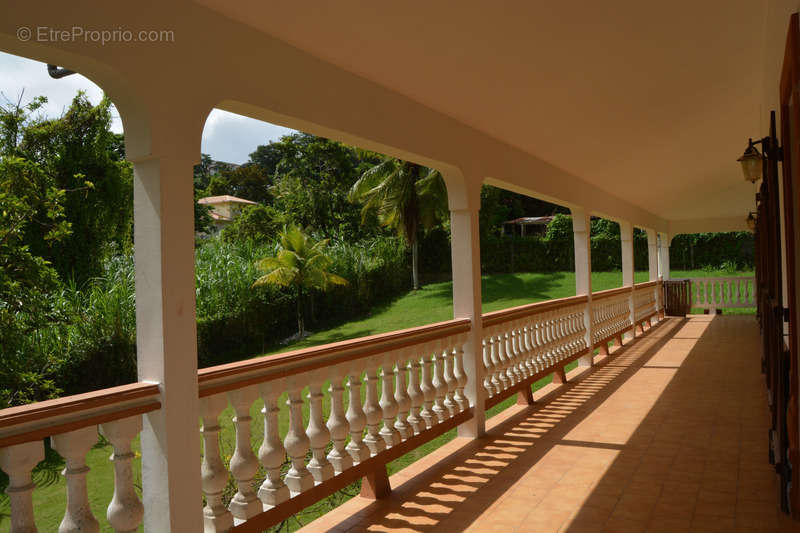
<point x="224" y="209"/>
<point x="527" y="226"/>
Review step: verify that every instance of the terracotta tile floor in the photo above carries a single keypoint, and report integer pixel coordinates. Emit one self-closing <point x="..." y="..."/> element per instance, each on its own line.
<point x="667" y="434"/>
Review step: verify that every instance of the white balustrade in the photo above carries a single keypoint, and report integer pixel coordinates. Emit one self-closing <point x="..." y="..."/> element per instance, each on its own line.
<point x="357" y="420"/>
<point x="73" y="447"/>
<point x="415" y="395"/>
<point x="374" y="414"/>
<point x="723" y="292"/>
<point x="389" y="407"/>
<point x="297" y="444"/>
<point x="428" y="392"/>
<point x="18" y="462"/>
<point x="318" y="435"/>
<point x="422" y="385"/>
<point x="403" y="400"/>
<point x="216" y="517"/>
<point x="339" y="427"/>
<point x="271" y="454"/>
<point x="439" y="385"/>
<point x="460" y="376"/>
<point x="125" y="512"/>
<point x="244" y="464"/>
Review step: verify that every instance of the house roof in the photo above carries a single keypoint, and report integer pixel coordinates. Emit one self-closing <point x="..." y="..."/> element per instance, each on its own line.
<point x="225" y="198"/>
<point x="530" y="221"/>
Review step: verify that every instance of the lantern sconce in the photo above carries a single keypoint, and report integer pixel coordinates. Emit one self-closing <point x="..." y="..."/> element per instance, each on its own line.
<point x="752" y="218"/>
<point x="752" y="162"/>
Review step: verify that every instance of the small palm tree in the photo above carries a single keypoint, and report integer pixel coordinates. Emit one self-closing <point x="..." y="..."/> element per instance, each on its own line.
<point x="300" y="263"/>
<point x="406" y="196"/>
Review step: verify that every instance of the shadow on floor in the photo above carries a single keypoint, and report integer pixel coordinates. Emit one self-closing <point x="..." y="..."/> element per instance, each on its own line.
<point x="667" y="434"/>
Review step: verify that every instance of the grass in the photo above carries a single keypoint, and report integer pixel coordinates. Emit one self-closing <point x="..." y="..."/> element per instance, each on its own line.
<point x="433" y="303"/>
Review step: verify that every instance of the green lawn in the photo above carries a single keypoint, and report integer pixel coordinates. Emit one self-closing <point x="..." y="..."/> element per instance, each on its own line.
<point x="433" y="303"/>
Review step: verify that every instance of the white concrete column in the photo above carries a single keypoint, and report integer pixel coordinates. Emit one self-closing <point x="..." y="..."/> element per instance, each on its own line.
<point x="466" y="258"/>
<point x="581" y="231"/>
<point x="167" y="341"/>
<point x="652" y="254"/>
<point x="626" y="236"/>
<point x="663" y="254"/>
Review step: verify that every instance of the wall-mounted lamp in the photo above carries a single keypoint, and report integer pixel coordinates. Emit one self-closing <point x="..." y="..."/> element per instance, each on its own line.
<point x="752" y="162"/>
<point x="751" y="221"/>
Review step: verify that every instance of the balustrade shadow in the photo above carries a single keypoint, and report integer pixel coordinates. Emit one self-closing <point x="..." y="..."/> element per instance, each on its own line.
<point x="453" y="491"/>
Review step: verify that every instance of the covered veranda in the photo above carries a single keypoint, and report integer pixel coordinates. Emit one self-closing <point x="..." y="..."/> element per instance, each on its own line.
<point x="628" y="110"/>
<point x="661" y="435"/>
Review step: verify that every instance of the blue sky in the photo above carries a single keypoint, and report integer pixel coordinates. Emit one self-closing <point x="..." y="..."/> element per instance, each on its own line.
<point x="226" y="137"/>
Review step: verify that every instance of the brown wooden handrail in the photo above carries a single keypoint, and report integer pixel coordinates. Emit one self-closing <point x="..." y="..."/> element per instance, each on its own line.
<point x="231" y="376"/>
<point x="33" y="421"/>
<point x="513" y="313"/>
<point x="611" y="292"/>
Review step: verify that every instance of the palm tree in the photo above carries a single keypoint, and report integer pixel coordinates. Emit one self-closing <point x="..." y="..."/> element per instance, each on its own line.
<point x="300" y="263"/>
<point x="406" y="196"/>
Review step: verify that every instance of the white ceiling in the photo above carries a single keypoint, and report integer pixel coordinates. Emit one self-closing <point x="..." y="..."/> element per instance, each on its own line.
<point x="656" y="100"/>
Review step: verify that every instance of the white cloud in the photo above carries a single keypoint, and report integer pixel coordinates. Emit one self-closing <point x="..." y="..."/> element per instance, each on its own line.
<point x="226" y="137"/>
<point x="232" y="138"/>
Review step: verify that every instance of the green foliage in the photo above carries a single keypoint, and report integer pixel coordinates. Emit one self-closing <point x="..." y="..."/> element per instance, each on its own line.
<point x="234" y="321"/>
<point x="406" y="197"/>
<point x="259" y="223"/>
<point x="300" y="264"/>
<point x="28" y="197"/>
<point x="312" y="180"/>
<point x="732" y="250"/>
<point x="246" y="181"/>
<point x="560" y="229"/>
<point x="203" y="223"/>
<point x="499" y="205"/>
<point x="81" y="156"/>
<point x="218" y="186"/>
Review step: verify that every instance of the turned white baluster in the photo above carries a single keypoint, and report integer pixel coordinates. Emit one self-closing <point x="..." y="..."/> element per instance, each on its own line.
<point x="496" y="363"/>
<point x="450" y="381"/>
<point x="487" y="367"/>
<point x="339" y="427"/>
<point x="428" y="392"/>
<point x="216" y="516"/>
<point x="373" y="412"/>
<point x="415" y="395"/>
<point x="271" y="453"/>
<point x="389" y="407"/>
<point x="319" y="436"/>
<point x="125" y="512"/>
<point x="244" y="463"/>
<point x="357" y="420"/>
<point x="73" y="447"/>
<point x="297" y="444"/>
<point x="460" y="375"/>
<point x="529" y="364"/>
<point x="536" y="341"/>
<point x="403" y="400"/>
<point x="514" y="376"/>
<point x="439" y="386"/>
<point x="502" y="360"/>
<point x="18" y="461"/>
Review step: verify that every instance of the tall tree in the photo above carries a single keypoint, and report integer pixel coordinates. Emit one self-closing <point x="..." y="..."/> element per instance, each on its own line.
<point x="406" y="197"/>
<point x="28" y="197"/>
<point x="311" y="181"/>
<point x="301" y="264"/>
<point x="80" y="153"/>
